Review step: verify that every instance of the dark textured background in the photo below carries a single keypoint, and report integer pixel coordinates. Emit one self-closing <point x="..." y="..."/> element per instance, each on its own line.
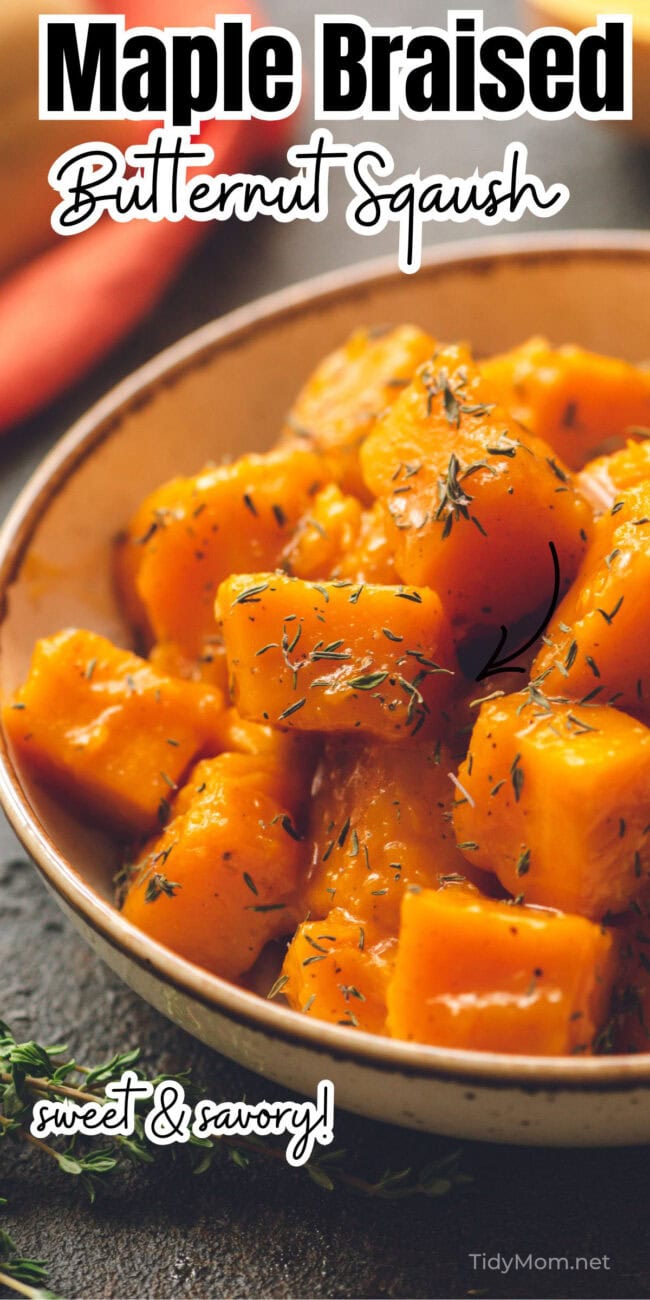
<point x="268" y="1231"/>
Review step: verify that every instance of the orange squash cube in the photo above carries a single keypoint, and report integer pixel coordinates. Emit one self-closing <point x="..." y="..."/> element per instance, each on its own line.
<point x="484" y="975"/>
<point x="371" y="557"/>
<point x="555" y="800"/>
<point x="348" y="390"/>
<point x="474" y="503"/>
<point x="602" y="480"/>
<point x="216" y="885"/>
<point x="331" y="972"/>
<point x="597" y="642"/>
<point x="380" y="821"/>
<point x="335" y="656"/>
<point x="192" y="533"/>
<point x="576" y="400"/>
<point x="324" y="536"/>
<point x="210" y="667"/>
<point x="108" y="731"/>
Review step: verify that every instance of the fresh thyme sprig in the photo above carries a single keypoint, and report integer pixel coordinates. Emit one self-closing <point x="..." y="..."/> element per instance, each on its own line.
<point x="30" y="1071"/>
<point x="26" y="1277"/>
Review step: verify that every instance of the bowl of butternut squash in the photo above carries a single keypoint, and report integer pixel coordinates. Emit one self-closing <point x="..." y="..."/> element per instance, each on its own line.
<point x="326" y="687"/>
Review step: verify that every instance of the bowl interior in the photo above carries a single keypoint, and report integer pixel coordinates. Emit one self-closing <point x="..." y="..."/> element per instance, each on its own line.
<point x="225" y="391"/>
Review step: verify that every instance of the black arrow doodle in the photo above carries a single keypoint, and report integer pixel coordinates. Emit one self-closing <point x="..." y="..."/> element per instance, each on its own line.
<point x="495" y="665"/>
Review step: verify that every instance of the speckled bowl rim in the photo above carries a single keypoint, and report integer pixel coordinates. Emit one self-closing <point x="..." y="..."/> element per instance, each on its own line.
<point x="620" y="1073"/>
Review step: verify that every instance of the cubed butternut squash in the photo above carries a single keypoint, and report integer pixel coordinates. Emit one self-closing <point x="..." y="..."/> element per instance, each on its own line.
<point x="209" y="667"/>
<point x="348" y="390"/>
<point x="216" y="884"/>
<point x="335" y="656"/>
<point x="474" y="503"/>
<point x="578" y="401"/>
<point x="187" y="537"/>
<point x="484" y="975"/>
<point x="331" y="972"/>
<point x="296" y="752"/>
<point x="108" y="731"/>
<point x="371" y="557"/>
<point x="604" y="478"/>
<point x="380" y="821"/>
<point x="597" y="642"/>
<point x="555" y="799"/>
<point x="323" y="536"/>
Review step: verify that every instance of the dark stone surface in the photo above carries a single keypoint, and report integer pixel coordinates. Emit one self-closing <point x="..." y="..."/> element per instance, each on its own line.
<point x="268" y="1231"/>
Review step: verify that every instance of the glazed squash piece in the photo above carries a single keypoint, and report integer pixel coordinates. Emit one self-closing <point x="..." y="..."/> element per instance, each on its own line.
<point x="602" y="480"/>
<point x="187" y="537"/>
<point x="216" y="884"/>
<point x="348" y="390"/>
<point x="473" y="501"/>
<point x="324" y="535"/>
<point x="371" y="557"/>
<point x="475" y="973"/>
<point x="597" y="642"/>
<point x="108" y="731"/>
<point x="576" y="400"/>
<point x="130" y="547"/>
<point x="210" y="666"/>
<point x="291" y="749"/>
<point x="380" y="821"/>
<point x="335" y="656"/>
<point x="332" y="972"/>
<point x="555" y="800"/>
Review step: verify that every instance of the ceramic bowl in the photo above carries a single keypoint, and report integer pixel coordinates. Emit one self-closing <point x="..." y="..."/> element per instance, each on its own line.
<point x="222" y="391"/>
